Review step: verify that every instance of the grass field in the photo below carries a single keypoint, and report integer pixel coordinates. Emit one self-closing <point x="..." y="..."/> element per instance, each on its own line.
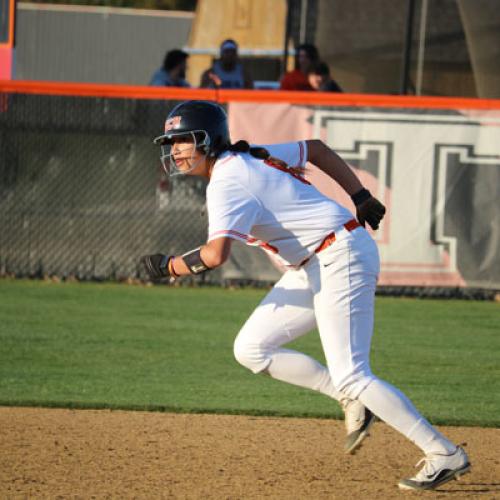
<point x="162" y="348"/>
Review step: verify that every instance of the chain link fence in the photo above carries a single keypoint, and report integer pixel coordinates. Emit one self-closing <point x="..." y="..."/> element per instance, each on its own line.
<point x="82" y="191"/>
<point x="83" y="195"/>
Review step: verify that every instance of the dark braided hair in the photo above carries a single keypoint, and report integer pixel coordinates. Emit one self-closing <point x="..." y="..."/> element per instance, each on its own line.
<point x="256" y="151"/>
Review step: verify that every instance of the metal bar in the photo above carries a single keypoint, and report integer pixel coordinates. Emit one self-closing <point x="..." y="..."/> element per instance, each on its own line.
<point x="303" y="20"/>
<point x="421" y="48"/>
<point x="241" y="51"/>
<point x="405" y="72"/>
<point x="288" y="30"/>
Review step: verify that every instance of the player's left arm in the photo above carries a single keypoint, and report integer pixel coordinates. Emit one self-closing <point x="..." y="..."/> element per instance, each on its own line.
<point x="213" y="254"/>
<point x="368" y="208"/>
<point x="231" y="213"/>
<point x="205" y="258"/>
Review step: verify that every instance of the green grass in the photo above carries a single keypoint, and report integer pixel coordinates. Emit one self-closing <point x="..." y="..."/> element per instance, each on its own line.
<point x="161" y="348"/>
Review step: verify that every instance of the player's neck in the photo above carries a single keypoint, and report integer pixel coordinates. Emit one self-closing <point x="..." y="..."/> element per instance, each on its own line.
<point x="210" y="162"/>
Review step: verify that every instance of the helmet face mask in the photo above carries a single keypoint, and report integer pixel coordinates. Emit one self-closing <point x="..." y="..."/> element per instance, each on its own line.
<point x="204" y="122"/>
<point x="200" y="142"/>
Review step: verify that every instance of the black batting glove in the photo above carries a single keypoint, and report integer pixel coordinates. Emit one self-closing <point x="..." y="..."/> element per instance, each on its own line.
<point x="156" y="265"/>
<point x="368" y="208"/>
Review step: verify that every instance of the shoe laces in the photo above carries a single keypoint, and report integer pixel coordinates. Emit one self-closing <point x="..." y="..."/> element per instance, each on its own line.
<point x="428" y="469"/>
<point x="431" y="464"/>
<point x="354" y="413"/>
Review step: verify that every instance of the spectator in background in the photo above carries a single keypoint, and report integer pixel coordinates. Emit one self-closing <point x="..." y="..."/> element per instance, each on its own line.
<point x="306" y="58"/>
<point x="320" y="79"/>
<point x="227" y="72"/>
<point x="173" y="71"/>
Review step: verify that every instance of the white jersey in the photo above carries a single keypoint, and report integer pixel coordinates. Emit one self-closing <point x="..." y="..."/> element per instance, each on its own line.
<point x="262" y="204"/>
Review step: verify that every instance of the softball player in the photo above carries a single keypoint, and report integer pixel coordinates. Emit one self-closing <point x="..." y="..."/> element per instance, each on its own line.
<point x="332" y="263"/>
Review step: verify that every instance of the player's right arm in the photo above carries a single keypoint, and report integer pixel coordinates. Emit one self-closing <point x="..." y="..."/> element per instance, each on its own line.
<point x="368" y="208"/>
<point x="319" y="154"/>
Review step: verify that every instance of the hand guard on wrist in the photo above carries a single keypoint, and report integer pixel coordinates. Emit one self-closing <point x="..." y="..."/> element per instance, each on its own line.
<point x="157" y="265"/>
<point x="194" y="262"/>
<point x="368" y="208"/>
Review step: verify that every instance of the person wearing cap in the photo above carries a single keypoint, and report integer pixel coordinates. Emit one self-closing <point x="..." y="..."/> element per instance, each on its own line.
<point x="173" y="71"/>
<point x="227" y="72"/>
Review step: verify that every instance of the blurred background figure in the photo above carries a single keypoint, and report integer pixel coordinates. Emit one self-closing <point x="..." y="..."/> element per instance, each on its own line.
<point x="306" y="58"/>
<point x="320" y="79"/>
<point x="173" y="71"/>
<point x="227" y="72"/>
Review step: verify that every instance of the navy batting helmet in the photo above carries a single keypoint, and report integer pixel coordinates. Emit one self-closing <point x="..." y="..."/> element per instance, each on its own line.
<point x="205" y="121"/>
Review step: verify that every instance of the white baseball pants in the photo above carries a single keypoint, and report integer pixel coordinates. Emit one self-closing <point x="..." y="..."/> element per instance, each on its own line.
<point x="334" y="291"/>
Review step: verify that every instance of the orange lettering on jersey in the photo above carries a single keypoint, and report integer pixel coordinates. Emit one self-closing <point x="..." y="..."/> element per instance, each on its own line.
<point x="290" y="171"/>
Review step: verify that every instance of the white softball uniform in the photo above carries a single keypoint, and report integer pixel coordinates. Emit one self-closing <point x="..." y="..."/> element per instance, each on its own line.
<point x="260" y="203"/>
<point x="256" y="202"/>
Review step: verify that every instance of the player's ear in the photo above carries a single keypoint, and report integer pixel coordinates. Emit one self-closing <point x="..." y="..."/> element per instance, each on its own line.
<point x="203" y="149"/>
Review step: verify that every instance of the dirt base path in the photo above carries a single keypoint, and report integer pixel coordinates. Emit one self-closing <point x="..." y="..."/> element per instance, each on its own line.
<point x="51" y="453"/>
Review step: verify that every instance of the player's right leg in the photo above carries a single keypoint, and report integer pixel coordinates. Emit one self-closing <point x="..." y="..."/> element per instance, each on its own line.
<point x="285" y="314"/>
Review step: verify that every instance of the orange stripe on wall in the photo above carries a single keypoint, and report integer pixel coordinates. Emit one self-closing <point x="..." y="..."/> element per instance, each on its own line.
<point x="359" y="100"/>
<point x="12" y="14"/>
<point x="12" y="22"/>
<point x="262" y="96"/>
<point x="104" y="90"/>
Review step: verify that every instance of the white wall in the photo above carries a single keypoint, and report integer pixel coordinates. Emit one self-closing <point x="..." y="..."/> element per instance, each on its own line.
<point x="95" y="44"/>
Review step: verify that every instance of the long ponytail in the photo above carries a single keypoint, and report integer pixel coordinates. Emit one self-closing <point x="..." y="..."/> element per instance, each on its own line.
<point x="256" y="151"/>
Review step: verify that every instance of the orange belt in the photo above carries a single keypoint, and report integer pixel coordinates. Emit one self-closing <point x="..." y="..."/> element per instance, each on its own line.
<point x="350" y="226"/>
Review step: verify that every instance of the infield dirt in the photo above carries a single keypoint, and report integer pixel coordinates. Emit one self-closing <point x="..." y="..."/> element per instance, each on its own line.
<point x="54" y="453"/>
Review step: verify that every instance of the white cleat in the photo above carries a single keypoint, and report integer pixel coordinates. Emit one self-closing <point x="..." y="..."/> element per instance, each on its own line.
<point x="438" y="470"/>
<point x="358" y="420"/>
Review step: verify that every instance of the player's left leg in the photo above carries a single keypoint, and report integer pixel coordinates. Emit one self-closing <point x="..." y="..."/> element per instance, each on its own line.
<point x="344" y="278"/>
